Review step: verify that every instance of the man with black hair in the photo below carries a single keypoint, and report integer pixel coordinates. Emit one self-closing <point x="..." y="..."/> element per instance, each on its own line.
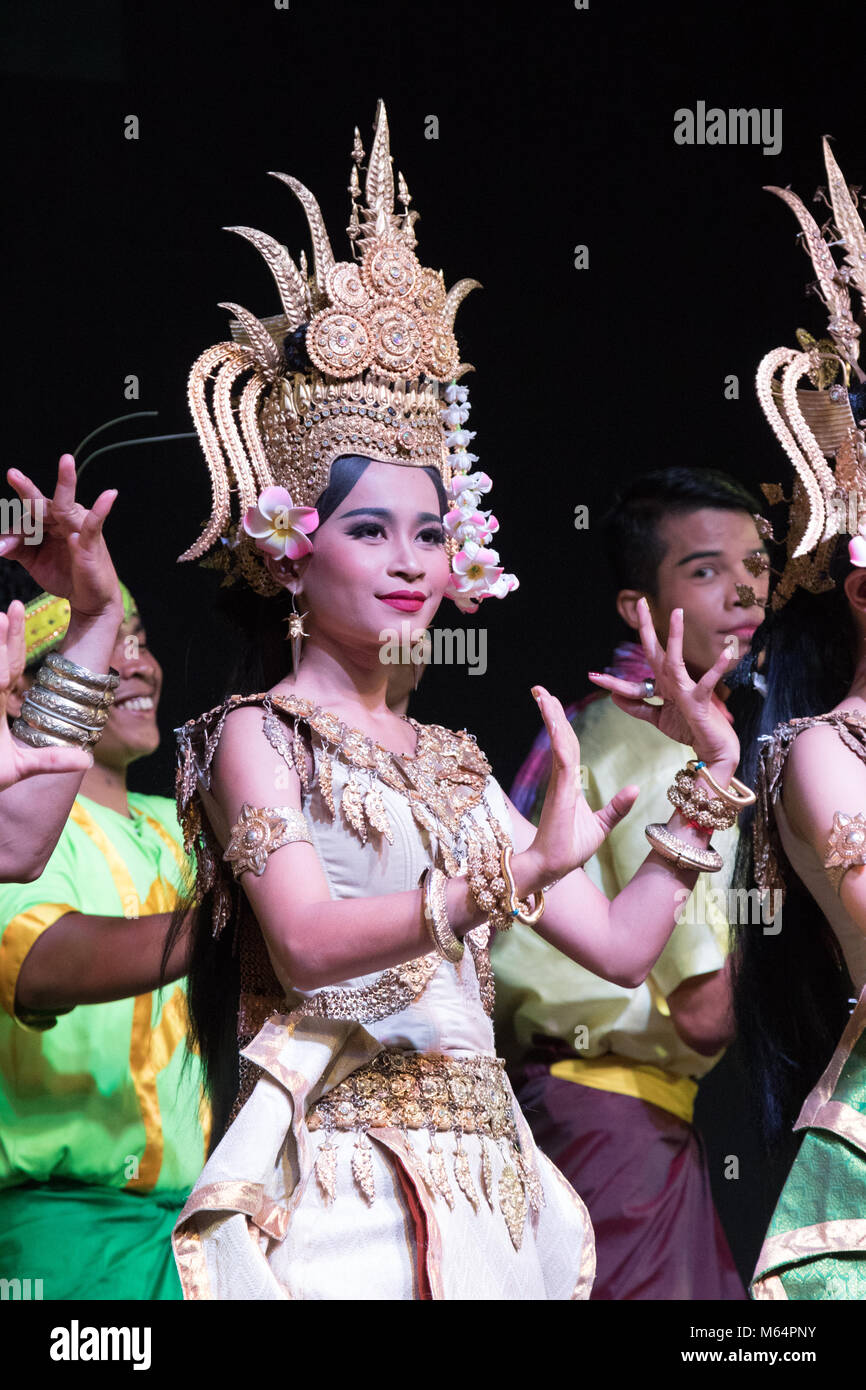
<point x="607" y="1076"/>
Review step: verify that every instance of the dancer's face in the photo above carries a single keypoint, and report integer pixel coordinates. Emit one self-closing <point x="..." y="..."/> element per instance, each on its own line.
<point x="704" y="563"/>
<point x="378" y="562"/>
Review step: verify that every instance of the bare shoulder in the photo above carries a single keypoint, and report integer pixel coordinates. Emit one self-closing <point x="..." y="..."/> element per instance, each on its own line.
<point x="248" y="768"/>
<point x="823" y="775"/>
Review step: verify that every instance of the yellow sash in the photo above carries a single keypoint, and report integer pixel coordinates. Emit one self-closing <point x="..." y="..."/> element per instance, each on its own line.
<point x="675" y="1094"/>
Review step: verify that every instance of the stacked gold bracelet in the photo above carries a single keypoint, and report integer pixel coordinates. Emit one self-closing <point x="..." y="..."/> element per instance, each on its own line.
<point x="436" y="916"/>
<point x="705" y="812"/>
<point x="67" y="705"/>
<point x="698" y="806"/>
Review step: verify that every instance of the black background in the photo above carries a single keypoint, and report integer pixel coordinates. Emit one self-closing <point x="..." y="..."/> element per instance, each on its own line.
<point x="555" y="129"/>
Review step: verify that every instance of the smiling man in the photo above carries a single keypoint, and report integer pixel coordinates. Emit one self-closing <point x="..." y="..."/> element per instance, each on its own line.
<point x="102" y="1126"/>
<point x="607" y="1076"/>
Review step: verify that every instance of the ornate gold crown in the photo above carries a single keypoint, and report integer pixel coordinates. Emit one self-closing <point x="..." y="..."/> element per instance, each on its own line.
<point x="822" y="422"/>
<point x="378" y="335"/>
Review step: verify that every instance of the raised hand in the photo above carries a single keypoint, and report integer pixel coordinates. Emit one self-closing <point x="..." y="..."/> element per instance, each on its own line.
<point x="569" y="833"/>
<point x="689" y="714"/>
<point x="72" y="559"/>
<point x="19" y="760"/>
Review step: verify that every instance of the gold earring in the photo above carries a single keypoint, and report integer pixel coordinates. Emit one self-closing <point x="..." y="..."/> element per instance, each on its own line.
<point x="296" y="634"/>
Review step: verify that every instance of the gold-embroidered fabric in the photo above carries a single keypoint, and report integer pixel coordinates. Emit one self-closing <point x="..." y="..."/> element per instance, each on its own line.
<point x="771" y="865"/>
<point x="846" y="846"/>
<point x="258" y="832"/>
<point x="420" y="1090"/>
<point x="441" y="1094"/>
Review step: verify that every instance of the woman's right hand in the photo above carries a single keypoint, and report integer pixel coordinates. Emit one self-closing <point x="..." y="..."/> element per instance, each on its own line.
<point x="72" y="559"/>
<point x="569" y="833"/>
<point x="689" y="714"/>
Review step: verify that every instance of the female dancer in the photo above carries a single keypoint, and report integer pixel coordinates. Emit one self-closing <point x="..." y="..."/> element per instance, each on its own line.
<point x="369" y="1146"/>
<point x="805" y="743"/>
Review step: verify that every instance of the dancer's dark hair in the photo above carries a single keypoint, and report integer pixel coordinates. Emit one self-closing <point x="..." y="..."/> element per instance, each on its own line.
<point x="213" y="977"/>
<point x="791" y="988"/>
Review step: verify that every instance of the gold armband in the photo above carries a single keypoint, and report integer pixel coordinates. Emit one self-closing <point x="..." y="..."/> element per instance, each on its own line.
<point x="259" y="831"/>
<point x="846" y="846"/>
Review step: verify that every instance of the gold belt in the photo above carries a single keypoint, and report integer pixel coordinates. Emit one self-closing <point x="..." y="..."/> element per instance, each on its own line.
<point x="420" y="1090"/>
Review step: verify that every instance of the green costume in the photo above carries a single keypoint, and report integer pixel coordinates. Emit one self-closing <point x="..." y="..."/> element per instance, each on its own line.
<point x="816" y="1243"/>
<point x="102" y="1121"/>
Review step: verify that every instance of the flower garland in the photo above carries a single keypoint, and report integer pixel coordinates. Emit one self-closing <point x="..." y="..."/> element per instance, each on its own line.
<point x="476" y="571"/>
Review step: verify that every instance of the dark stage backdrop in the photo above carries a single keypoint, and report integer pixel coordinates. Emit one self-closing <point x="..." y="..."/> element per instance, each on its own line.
<point x="555" y="131"/>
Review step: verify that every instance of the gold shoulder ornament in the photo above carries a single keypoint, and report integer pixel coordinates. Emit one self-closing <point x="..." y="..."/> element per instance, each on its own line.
<point x="258" y="832"/>
<point x="846" y="846"/>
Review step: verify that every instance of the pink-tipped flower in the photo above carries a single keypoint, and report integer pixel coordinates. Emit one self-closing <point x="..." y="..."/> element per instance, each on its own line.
<point x="467" y="525"/>
<point x="857" y="551"/>
<point x="278" y="527"/>
<point x="474" y="570"/>
<point x="469" y="482"/>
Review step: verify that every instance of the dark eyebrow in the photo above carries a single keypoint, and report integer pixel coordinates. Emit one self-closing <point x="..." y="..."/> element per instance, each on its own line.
<point x="713" y="554"/>
<point x="697" y="555"/>
<point x="388" y="516"/>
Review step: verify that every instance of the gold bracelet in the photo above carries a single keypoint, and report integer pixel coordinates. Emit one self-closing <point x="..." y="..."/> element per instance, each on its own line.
<point x="38" y="738"/>
<point x="89" y="717"/>
<point x="707" y="811"/>
<point x="64" y="667"/>
<point x="73" y="735"/>
<point x="49" y="679"/>
<point x="737" y="794"/>
<point x="449" y="946"/>
<point x="487" y="885"/>
<point x="681" y="853"/>
<point x="519" y="909"/>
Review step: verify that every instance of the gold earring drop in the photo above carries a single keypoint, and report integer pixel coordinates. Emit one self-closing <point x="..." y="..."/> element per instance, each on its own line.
<point x="296" y="634"/>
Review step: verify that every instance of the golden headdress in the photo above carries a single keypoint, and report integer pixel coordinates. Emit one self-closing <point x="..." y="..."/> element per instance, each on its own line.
<point x="354" y="364"/>
<point x="824" y="422"/>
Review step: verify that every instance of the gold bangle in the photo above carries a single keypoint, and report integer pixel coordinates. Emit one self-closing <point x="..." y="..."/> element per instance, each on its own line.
<point x="38" y="738"/>
<point x="64" y="667"/>
<point x="49" y="679"/>
<point x="519" y="909"/>
<point x="449" y="946"/>
<point x="89" y="717"/>
<point x="681" y="853"/>
<point x="73" y="735"/>
<point x="737" y="794"/>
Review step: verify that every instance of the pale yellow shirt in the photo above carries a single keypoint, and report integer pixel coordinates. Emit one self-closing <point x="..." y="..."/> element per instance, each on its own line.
<point x="539" y="990"/>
